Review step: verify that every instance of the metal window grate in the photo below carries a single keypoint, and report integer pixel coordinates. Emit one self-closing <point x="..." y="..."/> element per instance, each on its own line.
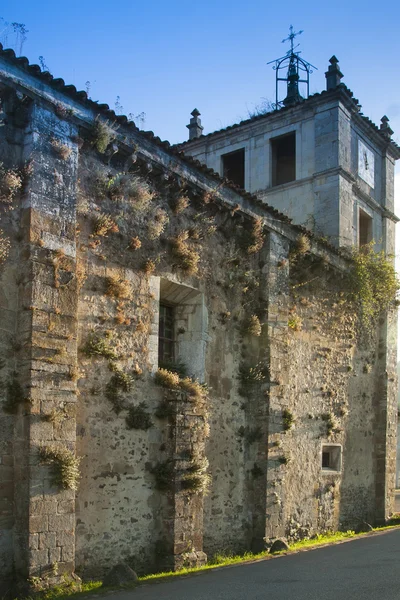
<point x="166" y="334"/>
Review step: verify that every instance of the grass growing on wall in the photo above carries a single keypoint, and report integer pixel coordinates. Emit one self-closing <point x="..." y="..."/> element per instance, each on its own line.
<point x="373" y="282"/>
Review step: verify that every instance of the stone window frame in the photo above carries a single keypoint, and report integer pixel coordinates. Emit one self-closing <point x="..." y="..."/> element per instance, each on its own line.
<point x="272" y="142"/>
<point x="190" y="322"/>
<point x="241" y="150"/>
<point x="335" y="451"/>
<point x="368" y="218"/>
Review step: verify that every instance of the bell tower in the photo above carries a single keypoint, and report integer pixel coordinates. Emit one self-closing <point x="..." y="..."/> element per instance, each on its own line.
<point x="292" y="74"/>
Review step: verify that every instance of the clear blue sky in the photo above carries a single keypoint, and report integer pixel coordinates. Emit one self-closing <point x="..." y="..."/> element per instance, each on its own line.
<point x="165" y="58"/>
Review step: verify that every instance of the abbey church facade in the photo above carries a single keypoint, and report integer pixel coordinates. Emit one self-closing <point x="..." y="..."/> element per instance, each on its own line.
<point x="187" y="363"/>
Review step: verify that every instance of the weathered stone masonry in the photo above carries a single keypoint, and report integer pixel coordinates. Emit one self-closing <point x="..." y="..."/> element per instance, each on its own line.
<point x="79" y="316"/>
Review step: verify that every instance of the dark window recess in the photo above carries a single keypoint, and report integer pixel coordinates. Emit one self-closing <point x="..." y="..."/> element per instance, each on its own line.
<point x="166" y="337"/>
<point x="326" y="460"/>
<point x="283" y="159"/>
<point x="364" y="228"/>
<point x="331" y="458"/>
<point x="233" y="167"/>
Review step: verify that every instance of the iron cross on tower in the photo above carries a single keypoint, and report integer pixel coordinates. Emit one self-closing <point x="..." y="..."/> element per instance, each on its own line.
<point x="292" y="71"/>
<point x="292" y="35"/>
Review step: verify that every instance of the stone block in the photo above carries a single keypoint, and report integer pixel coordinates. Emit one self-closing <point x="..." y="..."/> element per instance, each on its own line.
<point x="67" y="553"/>
<point x="47" y="540"/>
<point x="65" y="538"/>
<point x="44" y="506"/>
<point x="33" y="541"/>
<point x="38" y="558"/>
<point x="55" y="555"/>
<point x="61" y="522"/>
<point x="38" y="524"/>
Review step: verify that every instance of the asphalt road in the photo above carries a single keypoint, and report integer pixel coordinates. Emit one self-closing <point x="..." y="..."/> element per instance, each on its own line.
<point x="366" y="568"/>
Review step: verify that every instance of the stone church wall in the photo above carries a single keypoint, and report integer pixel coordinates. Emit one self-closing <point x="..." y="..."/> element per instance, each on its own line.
<point x="106" y="224"/>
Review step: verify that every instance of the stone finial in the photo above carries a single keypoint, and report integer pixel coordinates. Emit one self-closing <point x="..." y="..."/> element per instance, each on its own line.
<point x="333" y="74"/>
<point x="195" y="127"/>
<point x="385" y="127"/>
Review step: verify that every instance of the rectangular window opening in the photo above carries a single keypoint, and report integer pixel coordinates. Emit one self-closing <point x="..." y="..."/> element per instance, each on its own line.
<point x="233" y="167"/>
<point x="283" y="159"/>
<point x="331" y="458"/>
<point x="364" y="228"/>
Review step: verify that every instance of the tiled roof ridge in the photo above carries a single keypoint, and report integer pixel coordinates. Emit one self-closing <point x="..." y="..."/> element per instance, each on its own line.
<point x="341" y="88"/>
<point x="82" y="97"/>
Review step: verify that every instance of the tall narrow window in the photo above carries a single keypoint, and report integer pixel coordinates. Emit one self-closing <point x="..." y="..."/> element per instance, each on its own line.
<point x="364" y="228"/>
<point x="233" y="167"/>
<point x="283" y="159"/>
<point x="166" y="335"/>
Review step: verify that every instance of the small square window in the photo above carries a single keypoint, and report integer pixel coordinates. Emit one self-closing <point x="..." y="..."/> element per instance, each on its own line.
<point x="331" y="458"/>
<point x="233" y="167"/>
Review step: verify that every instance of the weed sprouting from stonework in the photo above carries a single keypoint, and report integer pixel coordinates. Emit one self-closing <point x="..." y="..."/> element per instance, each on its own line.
<point x="80" y="274"/>
<point x="97" y="346"/>
<point x="156" y="226"/>
<point x="287" y="419"/>
<point x="63" y="151"/>
<point x="256" y="237"/>
<point x="195" y="390"/>
<point x="253" y="326"/>
<point x="135" y="243"/>
<point x="65" y="466"/>
<point x="120" y="382"/>
<point x="55" y="416"/>
<point x="62" y="111"/>
<point x="254" y="374"/>
<point x="176" y="366"/>
<point x="149" y="266"/>
<point x="301" y="246"/>
<point x="187" y="257"/>
<point x="116" y="287"/>
<point x="104" y="224"/>
<point x="139" y="193"/>
<point x="131" y="189"/>
<point x="103" y="135"/>
<point x="164" y="474"/>
<point x="180" y="204"/>
<point x="374" y="284"/>
<point x="225" y="316"/>
<point x="10" y="184"/>
<point x="295" y="323"/>
<point x="167" y="379"/>
<point x="195" y="479"/>
<point x="332" y="425"/>
<point x="4" y="247"/>
<point x="138" y="417"/>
